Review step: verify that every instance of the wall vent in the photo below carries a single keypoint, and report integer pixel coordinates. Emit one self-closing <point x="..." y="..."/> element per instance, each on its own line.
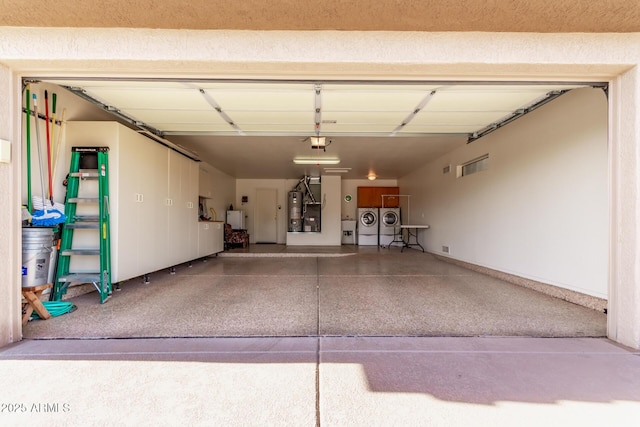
<point x="446" y="169"/>
<point x="476" y="165"/>
<point x="445" y="249"/>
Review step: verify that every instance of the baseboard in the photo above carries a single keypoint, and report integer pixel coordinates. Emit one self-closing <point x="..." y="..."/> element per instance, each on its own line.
<point x="594" y="303"/>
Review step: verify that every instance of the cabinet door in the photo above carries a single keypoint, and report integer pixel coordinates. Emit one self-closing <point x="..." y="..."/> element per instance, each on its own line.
<point x="366" y="197"/>
<point x="188" y="208"/>
<point x="192" y="214"/>
<point x="218" y="237"/>
<point x="177" y="230"/>
<point x="153" y="212"/>
<point x="371" y="197"/>
<point x="205" y="239"/>
<point x="391" y="199"/>
<point x="128" y="214"/>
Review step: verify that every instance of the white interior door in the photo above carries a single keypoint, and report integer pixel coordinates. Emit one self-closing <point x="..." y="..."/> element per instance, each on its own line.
<point x="265" y="226"/>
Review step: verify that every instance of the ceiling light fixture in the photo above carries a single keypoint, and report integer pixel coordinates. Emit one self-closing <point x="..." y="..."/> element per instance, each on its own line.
<point x="337" y="170"/>
<point x="309" y="161"/>
<point x="371" y="177"/>
<point x="319" y="142"/>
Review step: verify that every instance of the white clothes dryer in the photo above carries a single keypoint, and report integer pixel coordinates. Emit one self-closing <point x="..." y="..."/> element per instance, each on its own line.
<point x="367" y="226"/>
<point x="389" y="226"/>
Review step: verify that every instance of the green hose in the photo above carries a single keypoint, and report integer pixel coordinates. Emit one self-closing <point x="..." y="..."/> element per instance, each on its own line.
<point x="56" y="308"/>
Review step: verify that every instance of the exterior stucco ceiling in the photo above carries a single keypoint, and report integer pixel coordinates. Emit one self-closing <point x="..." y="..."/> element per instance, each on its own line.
<point x="542" y="16"/>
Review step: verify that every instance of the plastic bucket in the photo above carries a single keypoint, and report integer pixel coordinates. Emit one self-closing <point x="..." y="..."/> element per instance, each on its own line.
<point x="38" y="256"/>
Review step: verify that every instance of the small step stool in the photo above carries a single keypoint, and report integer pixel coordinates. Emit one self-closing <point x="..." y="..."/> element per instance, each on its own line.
<point x="98" y="169"/>
<point x="32" y="296"/>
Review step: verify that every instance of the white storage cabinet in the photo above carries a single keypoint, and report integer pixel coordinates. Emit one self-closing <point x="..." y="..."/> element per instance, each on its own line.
<point x="154" y="199"/>
<point x="210" y="238"/>
<point x="182" y="206"/>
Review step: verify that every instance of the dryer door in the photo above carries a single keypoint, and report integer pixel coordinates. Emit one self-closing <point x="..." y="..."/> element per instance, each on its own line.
<point x="390" y="219"/>
<point x="368" y="219"/>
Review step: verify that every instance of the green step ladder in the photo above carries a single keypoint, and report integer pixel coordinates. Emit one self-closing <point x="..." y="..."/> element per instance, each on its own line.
<point x="87" y="163"/>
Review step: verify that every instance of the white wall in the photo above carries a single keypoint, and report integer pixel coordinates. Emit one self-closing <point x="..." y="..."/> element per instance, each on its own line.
<point x="331" y="234"/>
<point x="331" y="225"/>
<point x="223" y="190"/>
<point x="541" y="209"/>
<point x="248" y="187"/>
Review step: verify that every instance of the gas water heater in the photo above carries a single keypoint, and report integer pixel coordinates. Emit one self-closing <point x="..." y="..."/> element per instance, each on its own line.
<point x="295" y="210"/>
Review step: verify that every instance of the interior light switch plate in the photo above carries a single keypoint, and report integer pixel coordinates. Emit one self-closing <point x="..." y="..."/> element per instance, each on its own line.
<point x="5" y="151"/>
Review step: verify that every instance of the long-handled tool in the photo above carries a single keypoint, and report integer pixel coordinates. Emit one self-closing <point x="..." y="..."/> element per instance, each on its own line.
<point x="38" y="144"/>
<point x="53" y="141"/>
<point x="29" y="201"/>
<point x="46" y="109"/>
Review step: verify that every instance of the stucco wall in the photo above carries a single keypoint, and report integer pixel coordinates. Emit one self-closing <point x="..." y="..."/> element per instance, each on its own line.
<point x="10" y="230"/>
<point x="332" y="54"/>
<point x="624" y="257"/>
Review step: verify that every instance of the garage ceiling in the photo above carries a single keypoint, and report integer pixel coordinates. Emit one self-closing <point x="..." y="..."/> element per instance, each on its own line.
<point x="255" y="129"/>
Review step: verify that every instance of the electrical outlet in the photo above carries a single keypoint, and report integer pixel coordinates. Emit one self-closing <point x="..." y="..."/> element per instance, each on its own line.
<point x="445" y="249"/>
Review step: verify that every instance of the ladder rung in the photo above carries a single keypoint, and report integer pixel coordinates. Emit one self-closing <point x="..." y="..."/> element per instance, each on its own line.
<point x="82" y="200"/>
<point x="84" y="225"/>
<point x="80" y="277"/>
<point x="86" y="218"/>
<point x="85" y="174"/>
<point x="70" y="252"/>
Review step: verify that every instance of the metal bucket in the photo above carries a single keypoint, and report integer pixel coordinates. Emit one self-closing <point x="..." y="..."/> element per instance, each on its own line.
<point x="38" y="256"/>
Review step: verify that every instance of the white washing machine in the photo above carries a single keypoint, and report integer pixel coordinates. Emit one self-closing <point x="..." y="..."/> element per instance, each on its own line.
<point x="367" y="226"/>
<point x="389" y="226"/>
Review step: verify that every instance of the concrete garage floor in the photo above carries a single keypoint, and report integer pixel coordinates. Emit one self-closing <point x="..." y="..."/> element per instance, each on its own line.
<point x="371" y="292"/>
<point x="331" y="340"/>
